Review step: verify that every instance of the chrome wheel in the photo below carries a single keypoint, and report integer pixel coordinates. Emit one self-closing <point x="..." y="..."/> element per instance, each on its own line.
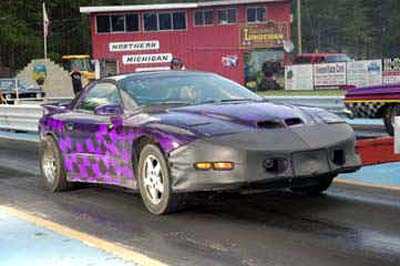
<point x="49" y="166"/>
<point x="153" y="179"/>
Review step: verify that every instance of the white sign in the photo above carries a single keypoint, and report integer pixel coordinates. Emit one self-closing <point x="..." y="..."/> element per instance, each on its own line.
<point x="146" y="59"/>
<point x="134" y="46"/>
<point x="391" y="70"/>
<point x="330" y="75"/>
<point x="299" y="77"/>
<point x="364" y="73"/>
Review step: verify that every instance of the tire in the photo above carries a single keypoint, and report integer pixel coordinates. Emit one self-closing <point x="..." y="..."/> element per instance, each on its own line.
<point x="388" y="117"/>
<point x="155" y="183"/>
<point x="54" y="177"/>
<point x="315" y="189"/>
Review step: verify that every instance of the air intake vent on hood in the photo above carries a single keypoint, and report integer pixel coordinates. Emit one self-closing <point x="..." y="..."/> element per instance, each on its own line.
<point x="269" y="124"/>
<point x="290" y="122"/>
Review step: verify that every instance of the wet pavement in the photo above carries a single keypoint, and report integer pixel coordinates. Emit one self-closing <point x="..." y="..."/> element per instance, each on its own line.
<point x="349" y="225"/>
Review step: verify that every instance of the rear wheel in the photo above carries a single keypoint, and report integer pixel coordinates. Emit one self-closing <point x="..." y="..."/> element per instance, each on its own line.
<point x="316" y="188"/>
<point x="54" y="177"/>
<point x="155" y="183"/>
<point x="389" y="117"/>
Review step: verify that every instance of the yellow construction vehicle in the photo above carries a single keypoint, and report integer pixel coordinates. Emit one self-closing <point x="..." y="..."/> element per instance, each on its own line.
<point x="81" y="63"/>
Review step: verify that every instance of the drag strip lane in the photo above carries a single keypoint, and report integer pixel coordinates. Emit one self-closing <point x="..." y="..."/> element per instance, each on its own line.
<point x="348" y="226"/>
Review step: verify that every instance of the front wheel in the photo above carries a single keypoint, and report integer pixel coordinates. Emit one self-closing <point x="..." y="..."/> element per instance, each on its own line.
<point x="54" y="177"/>
<point x="315" y="189"/>
<point x="389" y="118"/>
<point x="155" y="183"/>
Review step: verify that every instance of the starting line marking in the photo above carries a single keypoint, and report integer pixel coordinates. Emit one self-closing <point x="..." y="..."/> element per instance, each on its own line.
<point x="109" y="247"/>
<point x="364" y="184"/>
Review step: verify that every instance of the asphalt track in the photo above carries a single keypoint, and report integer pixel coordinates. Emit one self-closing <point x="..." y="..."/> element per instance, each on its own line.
<point x="349" y="225"/>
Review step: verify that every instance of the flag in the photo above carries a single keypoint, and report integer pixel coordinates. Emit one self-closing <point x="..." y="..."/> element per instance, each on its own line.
<point x="46" y="21"/>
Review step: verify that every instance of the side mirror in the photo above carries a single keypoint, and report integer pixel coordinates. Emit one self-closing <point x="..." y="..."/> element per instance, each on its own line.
<point x="109" y="110"/>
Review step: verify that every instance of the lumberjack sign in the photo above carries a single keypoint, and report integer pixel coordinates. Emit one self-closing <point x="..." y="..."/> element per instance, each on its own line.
<point x="268" y="35"/>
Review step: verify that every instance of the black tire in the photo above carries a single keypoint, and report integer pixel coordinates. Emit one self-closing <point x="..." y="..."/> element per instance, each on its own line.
<point x="315" y="189"/>
<point x="49" y="147"/>
<point x="388" y="117"/>
<point x="169" y="202"/>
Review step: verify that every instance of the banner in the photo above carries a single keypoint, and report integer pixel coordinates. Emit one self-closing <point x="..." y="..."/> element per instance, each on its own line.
<point x="364" y="73"/>
<point x="391" y="70"/>
<point x="330" y="75"/>
<point x="299" y="77"/>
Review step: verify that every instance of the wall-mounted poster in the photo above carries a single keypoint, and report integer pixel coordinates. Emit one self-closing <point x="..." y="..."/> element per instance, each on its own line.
<point x="330" y="75"/>
<point x="364" y="73"/>
<point x="299" y="77"/>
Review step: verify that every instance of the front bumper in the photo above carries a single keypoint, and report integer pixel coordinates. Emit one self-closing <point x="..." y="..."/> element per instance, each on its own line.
<point x="307" y="153"/>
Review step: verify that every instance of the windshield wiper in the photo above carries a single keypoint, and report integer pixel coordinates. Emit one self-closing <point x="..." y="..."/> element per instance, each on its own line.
<point x="170" y="103"/>
<point x="238" y="100"/>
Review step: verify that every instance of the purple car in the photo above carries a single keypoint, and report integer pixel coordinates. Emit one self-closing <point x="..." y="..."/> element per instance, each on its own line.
<point x="167" y="134"/>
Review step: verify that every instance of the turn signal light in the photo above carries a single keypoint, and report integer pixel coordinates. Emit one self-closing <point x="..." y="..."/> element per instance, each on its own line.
<point x="224" y="166"/>
<point x="219" y="166"/>
<point x="203" y="166"/>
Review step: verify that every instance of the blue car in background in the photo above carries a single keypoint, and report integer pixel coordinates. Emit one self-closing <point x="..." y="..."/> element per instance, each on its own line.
<point x="9" y="89"/>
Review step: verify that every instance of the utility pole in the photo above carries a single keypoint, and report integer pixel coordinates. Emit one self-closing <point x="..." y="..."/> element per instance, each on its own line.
<point x="299" y="37"/>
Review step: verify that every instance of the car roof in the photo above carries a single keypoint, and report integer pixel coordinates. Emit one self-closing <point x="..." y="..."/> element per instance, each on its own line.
<point x="152" y="74"/>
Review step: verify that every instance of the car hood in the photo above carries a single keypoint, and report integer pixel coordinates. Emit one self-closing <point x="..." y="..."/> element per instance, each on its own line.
<point x="382" y="90"/>
<point x="227" y="118"/>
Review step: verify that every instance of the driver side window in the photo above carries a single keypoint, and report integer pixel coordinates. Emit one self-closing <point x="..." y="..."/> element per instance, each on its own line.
<point x="100" y="94"/>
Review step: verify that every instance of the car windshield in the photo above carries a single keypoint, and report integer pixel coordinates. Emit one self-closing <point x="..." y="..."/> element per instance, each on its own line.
<point x="186" y="89"/>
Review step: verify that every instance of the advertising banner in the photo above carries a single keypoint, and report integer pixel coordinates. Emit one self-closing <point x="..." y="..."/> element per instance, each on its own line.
<point x="330" y="75"/>
<point x="266" y="35"/>
<point x="299" y="77"/>
<point x="391" y="70"/>
<point x="364" y="73"/>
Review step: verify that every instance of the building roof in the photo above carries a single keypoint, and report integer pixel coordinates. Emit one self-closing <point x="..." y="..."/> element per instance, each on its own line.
<point x="125" y="8"/>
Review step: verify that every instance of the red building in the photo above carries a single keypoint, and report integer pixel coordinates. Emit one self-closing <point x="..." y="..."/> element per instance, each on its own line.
<point x="232" y="38"/>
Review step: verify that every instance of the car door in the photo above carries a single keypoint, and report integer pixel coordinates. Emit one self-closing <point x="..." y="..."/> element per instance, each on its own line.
<point x="98" y="154"/>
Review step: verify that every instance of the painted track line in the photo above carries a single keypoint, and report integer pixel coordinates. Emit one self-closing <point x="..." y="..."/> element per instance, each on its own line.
<point x="365" y="184"/>
<point x="109" y="247"/>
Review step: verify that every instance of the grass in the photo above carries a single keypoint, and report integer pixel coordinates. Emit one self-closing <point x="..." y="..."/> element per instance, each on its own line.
<point x="302" y="93"/>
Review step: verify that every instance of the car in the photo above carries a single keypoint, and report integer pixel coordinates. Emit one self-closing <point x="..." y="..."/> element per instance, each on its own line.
<point x="320" y="58"/>
<point x="169" y="134"/>
<point x="370" y="102"/>
<point x="10" y="88"/>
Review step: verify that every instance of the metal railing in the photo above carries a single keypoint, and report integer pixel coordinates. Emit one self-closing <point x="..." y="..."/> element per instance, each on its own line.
<point x="25" y="117"/>
<point x="22" y="117"/>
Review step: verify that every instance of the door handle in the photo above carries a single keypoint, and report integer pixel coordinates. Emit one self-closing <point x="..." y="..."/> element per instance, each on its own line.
<point x="69" y="126"/>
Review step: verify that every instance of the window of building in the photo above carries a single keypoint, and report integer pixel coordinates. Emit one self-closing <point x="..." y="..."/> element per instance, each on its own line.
<point x="179" y="19"/>
<point x="132" y="22"/>
<point x="165" y="21"/>
<point x="203" y="17"/>
<point x="118" y="23"/>
<point x="150" y="22"/>
<point x="227" y="16"/>
<point x="103" y="24"/>
<point x="256" y="14"/>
